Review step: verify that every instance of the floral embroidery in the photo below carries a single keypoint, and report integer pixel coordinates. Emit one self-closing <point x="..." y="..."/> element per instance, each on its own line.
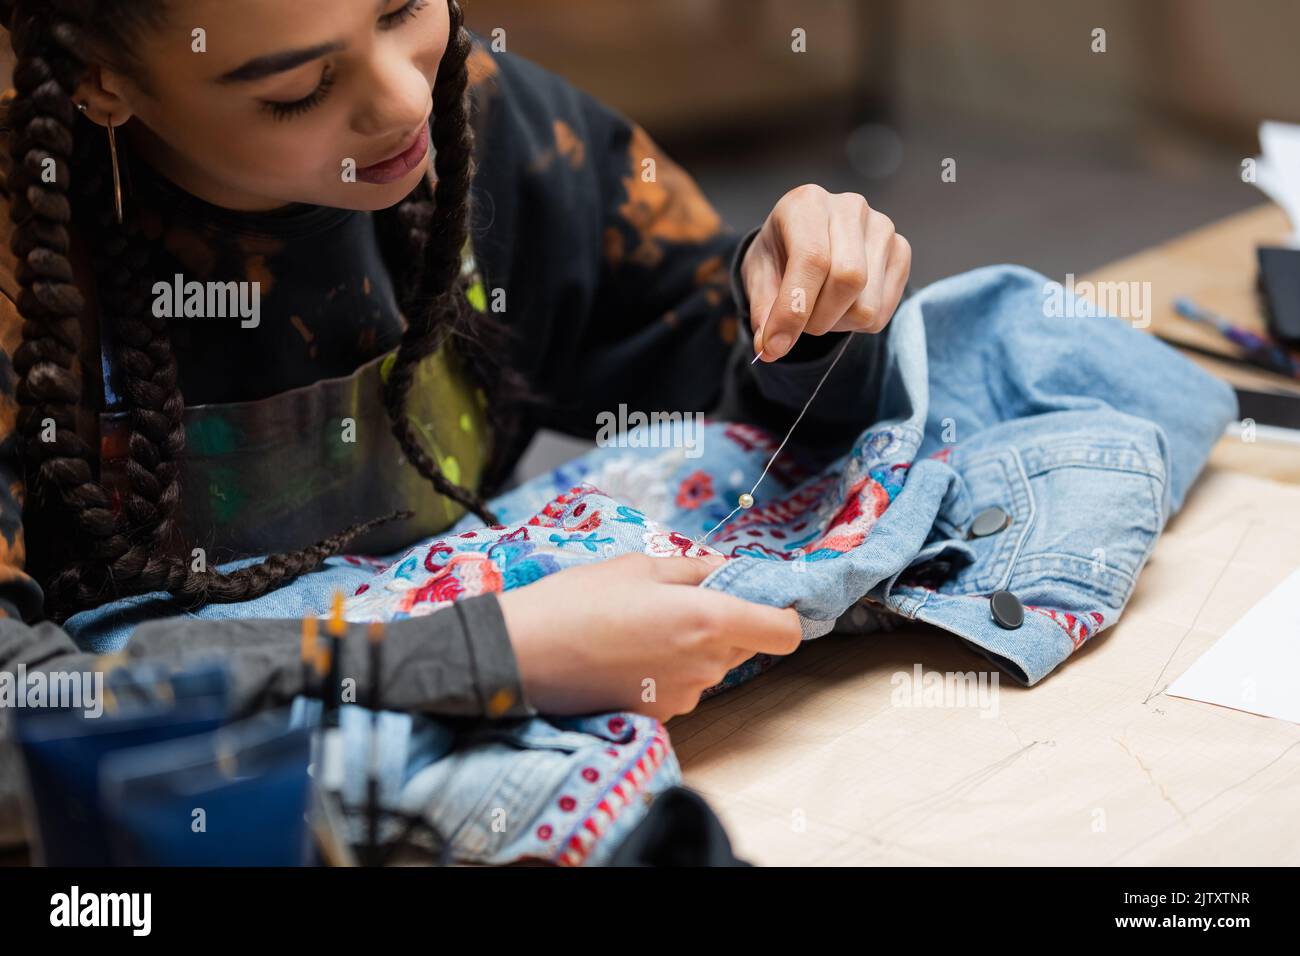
<point x="867" y="501"/>
<point x="757" y="550"/>
<point x="590" y="542"/>
<point x="780" y="511"/>
<point x="465" y="575"/>
<point x="695" y="489"/>
<point x="627" y="515"/>
<point x="589" y="523"/>
<point x="436" y="550"/>
<point x="627" y="787"/>
<point x="671" y="543"/>
<point x="1073" y="626"/>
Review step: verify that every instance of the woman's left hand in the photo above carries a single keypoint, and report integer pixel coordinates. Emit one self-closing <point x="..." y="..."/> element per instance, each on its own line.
<point x="822" y="263"/>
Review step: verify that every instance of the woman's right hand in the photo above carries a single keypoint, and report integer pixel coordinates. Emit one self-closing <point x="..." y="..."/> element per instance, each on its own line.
<point x="635" y="633"/>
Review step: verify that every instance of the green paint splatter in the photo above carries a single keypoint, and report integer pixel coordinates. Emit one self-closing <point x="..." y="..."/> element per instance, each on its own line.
<point x="451" y="468"/>
<point x="477" y="296"/>
<point x="212" y="436"/>
<point x="226" y="496"/>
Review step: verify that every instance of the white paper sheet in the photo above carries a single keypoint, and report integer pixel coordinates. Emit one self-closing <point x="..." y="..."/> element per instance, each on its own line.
<point x="1277" y="170"/>
<point x="1254" y="667"/>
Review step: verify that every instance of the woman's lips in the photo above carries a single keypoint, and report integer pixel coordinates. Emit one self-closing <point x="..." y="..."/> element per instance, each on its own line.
<point x="391" y="170"/>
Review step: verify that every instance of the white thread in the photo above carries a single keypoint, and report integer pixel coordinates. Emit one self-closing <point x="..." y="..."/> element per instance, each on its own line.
<point x="781" y="447"/>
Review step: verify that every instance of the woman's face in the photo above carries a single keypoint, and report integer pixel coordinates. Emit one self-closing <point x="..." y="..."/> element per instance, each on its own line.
<point x="314" y="101"/>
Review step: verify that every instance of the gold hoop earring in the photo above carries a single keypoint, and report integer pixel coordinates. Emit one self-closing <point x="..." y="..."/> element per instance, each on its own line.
<point x="117" y="169"/>
<point x="117" y="173"/>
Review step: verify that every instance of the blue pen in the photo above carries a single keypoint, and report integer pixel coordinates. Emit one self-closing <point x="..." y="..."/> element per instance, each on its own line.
<point x="1259" y="349"/>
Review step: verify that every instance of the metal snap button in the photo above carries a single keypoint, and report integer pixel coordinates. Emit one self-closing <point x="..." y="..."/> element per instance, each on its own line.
<point x="989" y="521"/>
<point x="1007" y="610"/>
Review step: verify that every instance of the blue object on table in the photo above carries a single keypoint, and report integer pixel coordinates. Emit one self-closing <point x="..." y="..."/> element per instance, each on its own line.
<point x="235" y="797"/>
<point x="1260" y="350"/>
<point x="63" y="749"/>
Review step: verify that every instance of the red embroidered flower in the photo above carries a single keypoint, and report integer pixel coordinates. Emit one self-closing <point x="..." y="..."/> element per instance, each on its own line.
<point x="590" y="774"/>
<point x="681" y="542"/>
<point x="444" y="587"/>
<point x="544" y="832"/>
<point x="589" y="523"/>
<point x="852" y="507"/>
<point x="439" y="548"/>
<point x="567" y="804"/>
<point x="695" y="490"/>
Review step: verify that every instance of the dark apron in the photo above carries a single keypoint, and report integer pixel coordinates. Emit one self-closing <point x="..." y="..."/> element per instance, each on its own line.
<point x="280" y="473"/>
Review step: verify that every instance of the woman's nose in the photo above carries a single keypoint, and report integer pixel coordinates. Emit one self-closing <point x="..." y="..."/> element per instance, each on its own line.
<point x="395" y="97"/>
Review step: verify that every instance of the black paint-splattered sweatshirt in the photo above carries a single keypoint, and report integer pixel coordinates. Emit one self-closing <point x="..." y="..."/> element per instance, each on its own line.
<point x="622" y="289"/>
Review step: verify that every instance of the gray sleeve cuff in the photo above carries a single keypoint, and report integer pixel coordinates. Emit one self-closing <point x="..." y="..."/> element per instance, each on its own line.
<point x="492" y="659"/>
<point x="453" y="662"/>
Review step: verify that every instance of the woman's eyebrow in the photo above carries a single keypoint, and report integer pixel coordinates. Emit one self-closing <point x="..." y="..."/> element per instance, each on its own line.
<point x="269" y="65"/>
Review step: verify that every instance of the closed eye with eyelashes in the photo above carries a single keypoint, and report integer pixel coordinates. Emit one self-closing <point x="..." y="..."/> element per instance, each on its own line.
<point x="294" y="108"/>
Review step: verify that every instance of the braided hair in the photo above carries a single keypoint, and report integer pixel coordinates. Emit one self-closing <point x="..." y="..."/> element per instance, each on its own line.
<point x="103" y="547"/>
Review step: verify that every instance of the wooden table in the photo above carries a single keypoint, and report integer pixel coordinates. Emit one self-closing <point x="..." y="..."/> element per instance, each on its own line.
<point x="1215" y="266"/>
<point x="810" y="763"/>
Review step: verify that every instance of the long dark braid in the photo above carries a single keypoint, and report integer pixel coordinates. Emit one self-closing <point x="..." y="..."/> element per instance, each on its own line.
<point x="434" y="314"/>
<point x="135" y="547"/>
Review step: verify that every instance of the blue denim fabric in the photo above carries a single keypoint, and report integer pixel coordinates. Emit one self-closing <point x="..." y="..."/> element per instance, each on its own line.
<point x="1086" y="433"/>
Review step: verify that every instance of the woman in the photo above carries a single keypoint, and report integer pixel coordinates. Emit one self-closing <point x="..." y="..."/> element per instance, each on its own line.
<point x="288" y="146"/>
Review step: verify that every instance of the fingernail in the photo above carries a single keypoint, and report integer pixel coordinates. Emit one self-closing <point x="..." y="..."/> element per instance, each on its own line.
<point x="777" y="345"/>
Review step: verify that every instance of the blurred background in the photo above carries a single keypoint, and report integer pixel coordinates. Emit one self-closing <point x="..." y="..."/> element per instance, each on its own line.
<point x="1065" y="158"/>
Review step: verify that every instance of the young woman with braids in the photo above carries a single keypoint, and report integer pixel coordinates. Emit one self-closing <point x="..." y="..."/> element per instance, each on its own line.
<point x="134" y="443"/>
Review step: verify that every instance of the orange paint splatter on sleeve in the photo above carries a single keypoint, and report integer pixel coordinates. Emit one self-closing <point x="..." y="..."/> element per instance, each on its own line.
<point x="614" y="246"/>
<point x="712" y="271"/>
<point x="480" y="66"/>
<point x="667" y="206"/>
<point x="11" y="327"/>
<point x="256" y="269"/>
<point x="569" y="145"/>
<point x="191" y="250"/>
<point x="13" y="557"/>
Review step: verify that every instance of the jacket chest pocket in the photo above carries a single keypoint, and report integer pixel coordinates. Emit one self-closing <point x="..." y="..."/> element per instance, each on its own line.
<point x="1083" y="512"/>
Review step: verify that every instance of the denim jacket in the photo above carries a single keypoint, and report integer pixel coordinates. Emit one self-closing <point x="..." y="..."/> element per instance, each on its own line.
<point x="1071" y="440"/>
<point x="1010" y="453"/>
<point x="1011" y="473"/>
